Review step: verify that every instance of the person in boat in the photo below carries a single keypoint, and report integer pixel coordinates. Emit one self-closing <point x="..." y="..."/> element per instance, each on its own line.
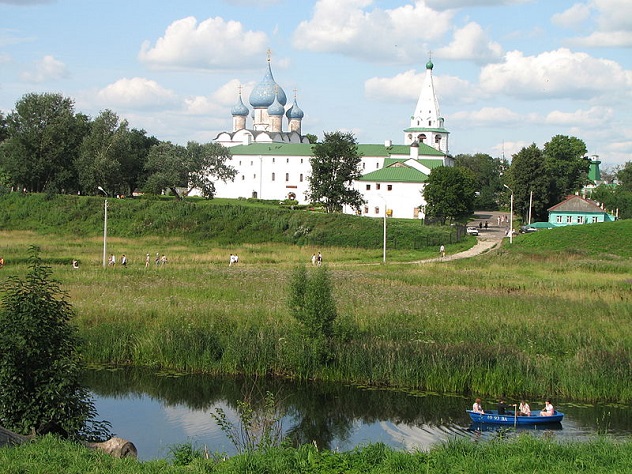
<point x="524" y="409"/>
<point x="548" y="409"/>
<point x="502" y="407"/>
<point x="477" y="408"/>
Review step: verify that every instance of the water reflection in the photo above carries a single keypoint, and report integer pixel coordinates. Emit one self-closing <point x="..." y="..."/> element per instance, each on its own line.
<point x="159" y="411"/>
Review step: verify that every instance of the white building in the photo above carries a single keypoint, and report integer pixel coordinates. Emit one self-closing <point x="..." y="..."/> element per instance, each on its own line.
<point x="274" y="164"/>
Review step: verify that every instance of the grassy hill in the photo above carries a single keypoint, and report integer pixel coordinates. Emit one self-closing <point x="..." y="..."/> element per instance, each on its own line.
<point x="220" y="221"/>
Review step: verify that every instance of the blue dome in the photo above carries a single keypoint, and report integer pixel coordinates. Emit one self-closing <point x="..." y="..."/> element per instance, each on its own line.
<point x="239" y="108"/>
<point x="264" y="93"/>
<point x="276" y="108"/>
<point x="295" y="111"/>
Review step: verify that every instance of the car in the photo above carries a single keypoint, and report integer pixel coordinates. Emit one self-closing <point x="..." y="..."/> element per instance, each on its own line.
<point x="526" y="229"/>
<point x="472" y="231"/>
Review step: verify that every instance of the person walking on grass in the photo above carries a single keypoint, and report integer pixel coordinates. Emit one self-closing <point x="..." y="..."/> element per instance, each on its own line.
<point x="442" y="251"/>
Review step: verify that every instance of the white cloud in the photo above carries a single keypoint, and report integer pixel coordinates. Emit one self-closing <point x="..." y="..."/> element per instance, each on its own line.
<point x="46" y="69"/>
<point x="573" y="16"/>
<point x="211" y="44"/>
<point x="471" y="43"/>
<point x="352" y="29"/>
<point x="404" y="88"/>
<point x="136" y="92"/>
<point x="221" y="101"/>
<point x="449" y="4"/>
<point x="554" y="74"/>
<point x="594" y="116"/>
<point x="614" y="24"/>
<point x="488" y="116"/>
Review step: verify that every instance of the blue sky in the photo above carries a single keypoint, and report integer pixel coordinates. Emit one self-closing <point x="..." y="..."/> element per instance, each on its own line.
<point x="508" y="73"/>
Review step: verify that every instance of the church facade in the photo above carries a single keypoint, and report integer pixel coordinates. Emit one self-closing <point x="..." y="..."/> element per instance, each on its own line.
<point x="274" y="163"/>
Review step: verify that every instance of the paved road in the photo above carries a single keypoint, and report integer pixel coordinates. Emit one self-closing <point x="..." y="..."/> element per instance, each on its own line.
<point x="488" y="239"/>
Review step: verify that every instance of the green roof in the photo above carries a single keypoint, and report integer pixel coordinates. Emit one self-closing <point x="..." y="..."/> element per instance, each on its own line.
<point x="278" y="149"/>
<point x="305" y="149"/>
<point x="396" y="174"/>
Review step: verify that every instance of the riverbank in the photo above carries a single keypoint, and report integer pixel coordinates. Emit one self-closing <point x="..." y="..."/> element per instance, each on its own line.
<point x="521" y="455"/>
<point x="493" y="324"/>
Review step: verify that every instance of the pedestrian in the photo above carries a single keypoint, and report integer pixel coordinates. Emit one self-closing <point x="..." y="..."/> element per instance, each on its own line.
<point x="124" y="261"/>
<point x="157" y="259"/>
<point x="163" y="259"/>
<point x="319" y="259"/>
<point x="231" y="260"/>
<point x="1" y="262"/>
<point x="442" y="251"/>
<point x="498" y="221"/>
<point x="314" y="259"/>
<point x="480" y="225"/>
<point x="147" y="261"/>
<point x="485" y="225"/>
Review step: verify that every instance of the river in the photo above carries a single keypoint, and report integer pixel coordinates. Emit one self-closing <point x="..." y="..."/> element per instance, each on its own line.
<point x="159" y="411"/>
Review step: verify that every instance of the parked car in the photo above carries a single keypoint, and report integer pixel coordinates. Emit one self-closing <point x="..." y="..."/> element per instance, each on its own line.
<point x="526" y="229"/>
<point x="472" y="231"/>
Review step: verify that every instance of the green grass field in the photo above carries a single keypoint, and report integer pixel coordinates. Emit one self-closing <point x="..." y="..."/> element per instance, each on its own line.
<point x="546" y="316"/>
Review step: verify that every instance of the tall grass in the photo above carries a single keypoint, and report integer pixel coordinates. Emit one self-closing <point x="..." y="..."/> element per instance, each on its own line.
<point x="524" y="454"/>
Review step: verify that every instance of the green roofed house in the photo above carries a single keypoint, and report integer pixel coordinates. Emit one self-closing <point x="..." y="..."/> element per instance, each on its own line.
<point x="575" y="210"/>
<point x="273" y="161"/>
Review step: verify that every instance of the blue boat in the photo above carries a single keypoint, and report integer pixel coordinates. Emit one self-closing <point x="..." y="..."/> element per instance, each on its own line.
<point x="492" y="417"/>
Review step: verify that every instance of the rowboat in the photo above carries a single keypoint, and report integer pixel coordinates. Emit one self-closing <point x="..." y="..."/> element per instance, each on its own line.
<point x="509" y="418"/>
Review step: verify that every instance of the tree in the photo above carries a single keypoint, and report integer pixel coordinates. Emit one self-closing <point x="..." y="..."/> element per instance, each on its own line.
<point x="196" y="166"/>
<point x="487" y="172"/>
<point x="551" y="174"/>
<point x="44" y="139"/>
<point x="312" y="304"/>
<point x="616" y="199"/>
<point x="97" y="163"/>
<point x="450" y="193"/>
<point x="528" y="174"/>
<point x="624" y="175"/>
<point x="567" y="166"/>
<point x="207" y="164"/>
<point x="39" y="363"/>
<point x="335" y="166"/>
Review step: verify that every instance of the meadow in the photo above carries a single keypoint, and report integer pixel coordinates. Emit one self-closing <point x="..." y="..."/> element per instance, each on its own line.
<point x="546" y="316"/>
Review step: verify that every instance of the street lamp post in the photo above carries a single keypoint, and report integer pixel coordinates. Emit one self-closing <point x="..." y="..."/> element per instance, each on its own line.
<point x="105" y="228"/>
<point x="510" y="214"/>
<point x="384" y="244"/>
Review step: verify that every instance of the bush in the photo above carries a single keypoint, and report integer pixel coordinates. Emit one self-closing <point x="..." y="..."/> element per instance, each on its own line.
<point x="39" y="362"/>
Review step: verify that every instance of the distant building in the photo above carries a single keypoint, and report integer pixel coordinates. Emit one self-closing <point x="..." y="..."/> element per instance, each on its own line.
<point x="575" y="210"/>
<point x="273" y="163"/>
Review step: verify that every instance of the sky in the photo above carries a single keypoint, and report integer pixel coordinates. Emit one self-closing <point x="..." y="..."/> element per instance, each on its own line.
<point x="508" y="73"/>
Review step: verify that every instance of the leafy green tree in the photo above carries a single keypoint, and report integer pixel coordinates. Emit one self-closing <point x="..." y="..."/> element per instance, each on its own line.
<point x="528" y="174"/>
<point x="450" y="193"/>
<point x="624" y="175"/>
<point x="43" y="143"/>
<point x="39" y="363"/>
<point x="196" y="166"/>
<point x="335" y="166"/>
<point x="134" y="157"/>
<point x="312" y="304"/>
<point x="207" y="164"/>
<point x="97" y="163"/>
<point x="313" y="139"/>
<point x="4" y="132"/>
<point x="616" y="199"/>
<point x="567" y="166"/>
<point x="487" y="172"/>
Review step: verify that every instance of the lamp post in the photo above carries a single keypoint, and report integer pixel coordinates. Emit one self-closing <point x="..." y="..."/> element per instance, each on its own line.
<point x="384" y="245"/>
<point x="510" y="215"/>
<point x="105" y="228"/>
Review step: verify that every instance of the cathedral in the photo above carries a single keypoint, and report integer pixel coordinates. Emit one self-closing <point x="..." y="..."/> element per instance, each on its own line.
<point x="273" y="163"/>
